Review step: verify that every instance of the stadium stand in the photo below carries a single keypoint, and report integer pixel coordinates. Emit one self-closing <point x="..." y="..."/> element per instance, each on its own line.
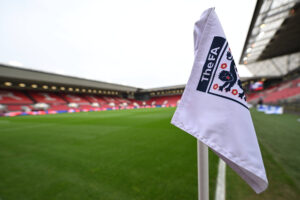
<point x="58" y="107"/>
<point x="95" y="99"/>
<point x="122" y="101"/>
<point x="135" y="103"/>
<point x="14" y="97"/>
<point x="110" y="100"/>
<point x="73" y="98"/>
<point x="46" y="97"/>
<point x="277" y="93"/>
<point x="164" y="100"/>
<point x="18" y="107"/>
<point x="13" y="101"/>
<point x="272" y="51"/>
<point x="42" y="93"/>
<point x="86" y="107"/>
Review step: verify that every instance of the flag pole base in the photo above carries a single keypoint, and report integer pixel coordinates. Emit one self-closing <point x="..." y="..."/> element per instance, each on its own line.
<point x="202" y="154"/>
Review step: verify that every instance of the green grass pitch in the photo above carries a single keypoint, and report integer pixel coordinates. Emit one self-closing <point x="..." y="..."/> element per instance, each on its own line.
<point x="130" y="154"/>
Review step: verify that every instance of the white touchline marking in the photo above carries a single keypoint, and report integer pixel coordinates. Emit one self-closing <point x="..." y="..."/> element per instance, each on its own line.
<point x="220" y="189"/>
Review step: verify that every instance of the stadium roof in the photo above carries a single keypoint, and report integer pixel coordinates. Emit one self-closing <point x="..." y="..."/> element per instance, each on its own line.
<point x="16" y="73"/>
<point x="164" y="88"/>
<point x="272" y="45"/>
<point x="22" y="76"/>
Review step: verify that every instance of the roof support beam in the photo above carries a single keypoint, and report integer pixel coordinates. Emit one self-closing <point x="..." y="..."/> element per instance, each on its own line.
<point x="276" y="67"/>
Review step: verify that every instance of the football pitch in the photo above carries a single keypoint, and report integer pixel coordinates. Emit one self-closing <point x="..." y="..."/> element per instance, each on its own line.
<point x="131" y="155"/>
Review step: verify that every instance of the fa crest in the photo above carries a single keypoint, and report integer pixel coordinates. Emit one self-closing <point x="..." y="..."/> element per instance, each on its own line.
<point x="219" y="75"/>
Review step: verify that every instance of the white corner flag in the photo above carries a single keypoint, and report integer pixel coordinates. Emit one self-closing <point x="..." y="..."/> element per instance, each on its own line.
<point x="213" y="107"/>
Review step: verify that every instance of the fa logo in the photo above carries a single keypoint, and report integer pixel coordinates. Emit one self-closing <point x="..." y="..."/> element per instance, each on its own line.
<point x="230" y="77"/>
<point x="219" y="75"/>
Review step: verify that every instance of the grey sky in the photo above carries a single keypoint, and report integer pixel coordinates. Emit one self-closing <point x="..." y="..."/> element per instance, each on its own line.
<point x="140" y="43"/>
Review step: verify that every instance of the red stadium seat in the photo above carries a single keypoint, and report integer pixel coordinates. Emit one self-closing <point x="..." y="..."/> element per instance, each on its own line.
<point x="18" y="107"/>
<point x="164" y="100"/>
<point x="58" y="107"/>
<point x="45" y="97"/>
<point x="277" y="93"/>
<point x="88" y="107"/>
<point x="14" y="97"/>
<point x="95" y="99"/>
<point x="73" y="98"/>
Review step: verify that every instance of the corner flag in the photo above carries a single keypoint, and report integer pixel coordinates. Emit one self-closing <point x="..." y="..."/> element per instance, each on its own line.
<point x="213" y="107"/>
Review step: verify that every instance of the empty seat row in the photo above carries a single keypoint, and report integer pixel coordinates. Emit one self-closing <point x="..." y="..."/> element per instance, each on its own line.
<point x="15" y="100"/>
<point x="276" y="93"/>
<point x="164" y="100"/>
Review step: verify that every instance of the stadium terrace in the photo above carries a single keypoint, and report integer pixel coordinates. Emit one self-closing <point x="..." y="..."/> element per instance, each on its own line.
<point x="31" y="92"/>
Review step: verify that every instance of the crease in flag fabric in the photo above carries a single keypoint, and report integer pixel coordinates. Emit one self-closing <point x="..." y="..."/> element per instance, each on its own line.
<point x="213" y="107"/>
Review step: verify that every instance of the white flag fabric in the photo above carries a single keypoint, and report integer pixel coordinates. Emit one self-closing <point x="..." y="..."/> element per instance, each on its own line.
<point x="213" y="107"/>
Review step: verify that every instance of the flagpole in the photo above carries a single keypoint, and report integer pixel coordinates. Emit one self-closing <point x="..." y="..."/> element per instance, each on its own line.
<point x="203" y="187"/>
